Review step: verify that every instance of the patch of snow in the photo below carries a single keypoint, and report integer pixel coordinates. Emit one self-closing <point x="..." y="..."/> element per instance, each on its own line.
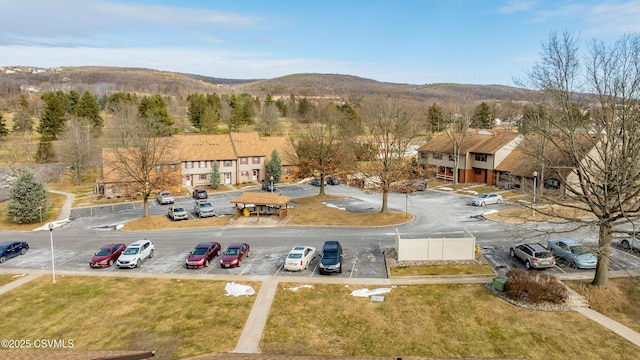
<point x="444" y="188"/>
<point x="19" y="275"/>
<point x="56" y="224"/>
<point x="234" y="289"/>
<point x="490" y="212"/>
<point x="471" y="192"/>
<point x="334" y="206"/>
<point x="367" y="292"/>
<point x="119" y="226"/>
<point x="300" y="287"/>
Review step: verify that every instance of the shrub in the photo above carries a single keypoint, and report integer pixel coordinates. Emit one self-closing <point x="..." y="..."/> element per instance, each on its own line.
<point x="521" y="286"/>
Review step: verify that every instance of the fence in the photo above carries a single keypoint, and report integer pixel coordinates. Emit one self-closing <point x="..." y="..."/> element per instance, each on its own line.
<point x="426" y="249"/>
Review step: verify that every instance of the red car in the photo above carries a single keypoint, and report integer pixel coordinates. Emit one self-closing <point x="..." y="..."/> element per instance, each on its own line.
<point x="234" y="255"/>
<point x="202" y="255"/>
<point x="107" y="255"/>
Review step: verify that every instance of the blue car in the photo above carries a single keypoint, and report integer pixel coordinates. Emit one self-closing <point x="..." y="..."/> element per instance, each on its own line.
<point x="12" y="249"/>
<point x="576" y="254"/>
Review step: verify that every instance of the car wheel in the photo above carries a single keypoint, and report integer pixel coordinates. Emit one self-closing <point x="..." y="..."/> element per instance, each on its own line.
<point x="498" y="201"/>
<point x="111" y="263"/>
<point x="483" y="203"/>
<point x="512" y="253"/>
<point x="151" y="254"/>
<point x="23" y="251"/>
<point x="625" y="244"/>
<point x="2" y="259"/>
<point x="138" y="263"/>
<point x="527" y="264"/>
<point x="206" y="263"/>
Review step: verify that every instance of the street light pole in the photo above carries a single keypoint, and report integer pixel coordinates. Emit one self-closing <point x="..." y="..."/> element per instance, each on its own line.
<point x="535" y="187"/>
<point x="53" y="264"/>
<point x="272" y="184"/>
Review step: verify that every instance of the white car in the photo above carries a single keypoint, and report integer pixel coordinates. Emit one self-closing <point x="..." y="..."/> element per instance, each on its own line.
<point x="135" y="254"/>
<point x="487" y="199"/>
<point x="164" y="197"/>
<point x="299" y="258"/>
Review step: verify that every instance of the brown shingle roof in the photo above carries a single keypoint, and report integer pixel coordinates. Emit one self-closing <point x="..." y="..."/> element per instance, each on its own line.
<point x="485" y="142"/>
<point x="195" y="147"/>
<point x="248" y="144"/>
<point x="285" y="149"/>
<point x="261" y="199"/>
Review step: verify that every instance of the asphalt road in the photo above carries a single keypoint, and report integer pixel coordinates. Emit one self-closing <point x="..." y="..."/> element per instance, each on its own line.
<point x="437" y="214"/>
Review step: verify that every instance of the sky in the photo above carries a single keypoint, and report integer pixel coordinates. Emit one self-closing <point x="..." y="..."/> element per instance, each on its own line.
<point x="398" y="41"/>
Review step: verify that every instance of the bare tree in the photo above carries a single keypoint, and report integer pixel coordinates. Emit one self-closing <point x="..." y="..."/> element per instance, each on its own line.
<point x="597" y="161"/>
<point x="76" y="146"/>
<point x="391" y="128"/>
<point x="458" y="117"/>
<point x="268" y="124"/>
<point x="137" y="151"/>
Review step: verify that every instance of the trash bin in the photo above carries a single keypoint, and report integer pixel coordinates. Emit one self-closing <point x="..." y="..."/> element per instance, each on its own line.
<point x="498" y="283"/>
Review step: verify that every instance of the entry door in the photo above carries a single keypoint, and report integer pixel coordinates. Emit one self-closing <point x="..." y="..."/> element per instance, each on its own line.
<point x="227" y="178"/>
<point x="255" y="175"/>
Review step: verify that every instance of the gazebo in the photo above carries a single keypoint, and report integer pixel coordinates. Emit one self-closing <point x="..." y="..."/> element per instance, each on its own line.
<point x="250" y="203"/>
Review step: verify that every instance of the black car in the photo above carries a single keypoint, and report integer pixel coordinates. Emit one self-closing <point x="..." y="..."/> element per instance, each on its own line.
<point x="333" y="180"/>
<point x="12" y="249"/>
<point x="317" y="182"/>
<point x="331" y="260"/>
<point x="200" y="194"/>
<point x="269" y="186"/>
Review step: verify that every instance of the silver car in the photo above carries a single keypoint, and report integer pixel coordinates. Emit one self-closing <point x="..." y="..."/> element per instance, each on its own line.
<point x="176" y="213"/>
<point x="487" y="199"/>
<point x="533" y="255"/>
<point x="164" y="197"/>
<point x="204" y="209"/>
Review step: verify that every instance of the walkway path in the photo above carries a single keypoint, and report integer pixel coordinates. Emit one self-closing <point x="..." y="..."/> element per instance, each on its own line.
<point x="66" y="207"/>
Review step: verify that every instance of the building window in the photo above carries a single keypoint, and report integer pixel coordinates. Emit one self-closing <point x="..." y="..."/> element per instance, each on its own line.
<point x="203" y="164"/>
<point x="437" y="156"/>
<point x="244" y="173"/>
<point x="172" y="167"/>
<point x="227" y="163"/>
<point x="158" y="169"/>
<point x="452" y="157"/>
<point x="256" y="160"/>
<point x="244" y="160"/>
<point x="203" y="176"/>
<point x="189" y="165"/>
<point x="481" y="157"/>
<point x="477" y="171"/>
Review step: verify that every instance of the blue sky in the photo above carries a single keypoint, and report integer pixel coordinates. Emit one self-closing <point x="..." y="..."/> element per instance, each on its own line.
<point x="400" y="41"/>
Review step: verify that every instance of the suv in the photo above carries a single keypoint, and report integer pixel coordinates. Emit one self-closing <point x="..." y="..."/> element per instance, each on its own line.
<point x="533" y="255"/>
<point x="135" y="254"/>
<point x="164" y="197"/>
<point x="331" y="260"/>
<point x="177" y="213"/>
<point x="204" y="209"/>
<point x="269" y="186"/>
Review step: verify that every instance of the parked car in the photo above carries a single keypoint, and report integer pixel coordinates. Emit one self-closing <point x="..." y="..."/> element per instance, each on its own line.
<point x="299" y="258"/>
<point x="533" y="255"/>
<point x="269" y="186"/>
<point x="332" y="180"/>
<point x="204" y="208"/>
<point x="317" y="182"/>
<point x="410" y="186"/>
<point x="176" y="213"/>
<point x="202" y="255"/>
<point x="200" y="193"/>
<point x="487" y="199"/>
<point x="631" y="242"/>
<point x="572" y="251"/>
<point x="135" y="254"/>
<point x="164" y="197"/>
<point x="331" y="257"/>
<point x="12" y="249"/>
<point x="234" y="254"/>
<point x="107" y="255"/>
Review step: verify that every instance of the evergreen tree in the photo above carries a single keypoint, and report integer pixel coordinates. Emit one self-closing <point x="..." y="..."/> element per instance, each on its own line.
<point x="44" y="154"/>
<point x="28" y="200"/>
<point x="214" y="176"/>
<point x="435" y="116"/>
<point x="53" y="115"/>
<point x="197" y="105"/>
<point x="274" y="166"/>
<point x="282" y="106"/>
<point x="88" y="109"/>
<point x="4" y="131"/>
<point x="154" y="111"/>
<point x="482" y="117"/>
<point x="23" y="119"/>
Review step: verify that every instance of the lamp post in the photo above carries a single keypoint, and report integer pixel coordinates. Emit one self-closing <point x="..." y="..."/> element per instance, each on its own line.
<point x="535" y="186"/>
<point x="272" y="185"/>
<point x="53" y="264"/>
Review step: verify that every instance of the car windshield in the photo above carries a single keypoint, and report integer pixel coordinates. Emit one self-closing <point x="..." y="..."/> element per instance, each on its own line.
<point x="579" y="250"/>
<point x="103" y="252"/>
<point x="544" y="254"/>
<point x="205" y="205"/>
<point x="233" y="251"/>
<point x="165" y="194"/>
<point x="483" y="196"/>
<point x="132" y="251"/>
<point x="179" y="209"/>
<point x="199" y="251"/>
<point x="330" y="255"/>
<point x="295" y="256"/>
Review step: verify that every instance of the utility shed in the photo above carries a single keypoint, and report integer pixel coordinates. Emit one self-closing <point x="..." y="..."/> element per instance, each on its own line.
<point x="252" y="203"/>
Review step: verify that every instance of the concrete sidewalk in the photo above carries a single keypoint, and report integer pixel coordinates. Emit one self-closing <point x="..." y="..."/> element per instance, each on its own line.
<point x="65" y="212"/>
